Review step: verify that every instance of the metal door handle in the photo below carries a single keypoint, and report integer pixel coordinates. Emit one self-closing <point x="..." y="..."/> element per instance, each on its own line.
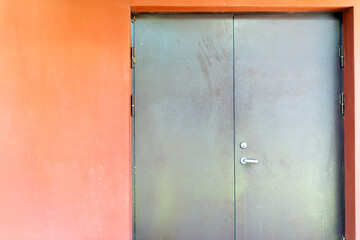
<point x="245" y="160"/>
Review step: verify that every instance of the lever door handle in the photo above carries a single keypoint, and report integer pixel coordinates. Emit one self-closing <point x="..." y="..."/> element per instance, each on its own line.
<point x="245" y="160"/>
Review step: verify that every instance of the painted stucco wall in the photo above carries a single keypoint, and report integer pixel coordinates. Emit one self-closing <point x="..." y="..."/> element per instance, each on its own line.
<point x="64" y="149"/>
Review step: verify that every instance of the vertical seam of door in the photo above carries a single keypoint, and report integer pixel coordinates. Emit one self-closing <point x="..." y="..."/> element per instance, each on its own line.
<point x="233" y="67"/>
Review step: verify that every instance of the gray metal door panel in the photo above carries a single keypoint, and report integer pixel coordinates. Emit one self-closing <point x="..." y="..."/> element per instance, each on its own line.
<point x="287" y="82"/>
<point x="184" y="153"/>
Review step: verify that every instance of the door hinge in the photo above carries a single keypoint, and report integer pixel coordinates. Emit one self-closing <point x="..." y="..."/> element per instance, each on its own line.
<point x="132" y="106"/>
<point x="342" y="56"/>
<point x="133" y="17"/>
<point x="342" y="103"/>
<point x="132" y="56"/>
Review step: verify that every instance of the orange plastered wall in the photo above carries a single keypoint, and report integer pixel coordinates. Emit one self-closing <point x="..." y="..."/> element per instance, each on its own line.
<point x="64" y="137"/>
<point x="356" y="63"/>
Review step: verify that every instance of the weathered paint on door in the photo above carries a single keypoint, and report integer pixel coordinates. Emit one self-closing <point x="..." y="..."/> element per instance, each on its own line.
<point x="286" y="81"/>
<point x="287" y="87"/>
<point x="184" y="157"/>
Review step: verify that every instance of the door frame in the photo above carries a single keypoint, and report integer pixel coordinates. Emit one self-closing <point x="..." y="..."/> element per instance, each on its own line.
<point x="351" y="35"/>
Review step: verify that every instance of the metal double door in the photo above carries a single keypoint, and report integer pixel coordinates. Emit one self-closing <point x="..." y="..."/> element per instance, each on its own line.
<point x="237" y="132"/>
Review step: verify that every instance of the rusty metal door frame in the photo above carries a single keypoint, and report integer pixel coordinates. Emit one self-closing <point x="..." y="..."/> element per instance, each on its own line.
<point x="347" y="7"/>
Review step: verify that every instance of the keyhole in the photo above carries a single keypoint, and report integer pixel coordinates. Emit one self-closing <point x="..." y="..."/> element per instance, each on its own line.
<point x="243" y="145"/>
